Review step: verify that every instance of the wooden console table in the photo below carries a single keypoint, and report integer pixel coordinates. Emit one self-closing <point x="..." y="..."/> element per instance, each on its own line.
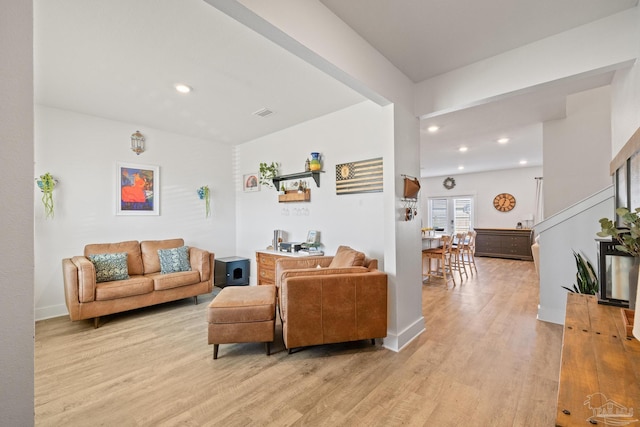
<point x="266" y="262"/>
<point x="511" y="243"/>
<point x="600" y="368"/>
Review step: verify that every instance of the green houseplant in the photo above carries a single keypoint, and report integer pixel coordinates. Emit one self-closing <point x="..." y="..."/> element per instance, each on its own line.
<point x="47" y="183"/>
<point x="627" y="239"/>
<point x="586" y="277"/>
<point x="628" y="236"/>
<point x="268" y="171"/>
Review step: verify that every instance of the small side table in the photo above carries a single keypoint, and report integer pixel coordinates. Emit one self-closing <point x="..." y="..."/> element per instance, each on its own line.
<point x="231" y="271"/>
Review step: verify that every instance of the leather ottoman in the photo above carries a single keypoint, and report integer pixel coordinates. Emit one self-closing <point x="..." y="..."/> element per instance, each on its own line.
<point x="242" y="314"/>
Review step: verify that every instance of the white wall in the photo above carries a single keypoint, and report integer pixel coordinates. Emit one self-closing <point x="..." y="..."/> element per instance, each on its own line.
<point x="16" y="215"/>
<point x="625" y="105"/>
<point x="352" y="134"/>
<point x="81" y="152"/>
<point x="368" y="222"/>
<point x="573" y="229"/>
<point x="403" y="242"/>
<point x="577" y="150"/>
<point x="484" y="187"/>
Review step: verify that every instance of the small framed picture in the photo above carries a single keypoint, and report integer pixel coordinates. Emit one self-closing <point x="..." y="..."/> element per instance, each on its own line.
<point x="313" y="237"/>
<point x="137" y="189"/>
<point x="250" y="182"/>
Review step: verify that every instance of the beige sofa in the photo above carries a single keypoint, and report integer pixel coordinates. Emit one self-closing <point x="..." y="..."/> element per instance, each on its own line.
<point x="87" y="297"/>
<point x="329" y="299"/>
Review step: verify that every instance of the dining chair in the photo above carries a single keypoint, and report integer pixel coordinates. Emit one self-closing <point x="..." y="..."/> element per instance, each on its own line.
<point x="442" y="257"/>
<point x="457" y="263"/>
<point x="469" y="250"/>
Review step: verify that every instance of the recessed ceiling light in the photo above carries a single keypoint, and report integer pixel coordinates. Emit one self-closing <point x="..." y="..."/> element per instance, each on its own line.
<point x="433" y="128"/>
<point x="182" y="88"/>
<point x="523" y="162"/>
<point x="460" y="168"/>
<point x="462" y="149"/>
<point x="503" y="140"/>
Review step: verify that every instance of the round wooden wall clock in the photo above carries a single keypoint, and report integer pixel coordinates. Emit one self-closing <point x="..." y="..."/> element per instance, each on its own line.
<point x="504" y="202"/>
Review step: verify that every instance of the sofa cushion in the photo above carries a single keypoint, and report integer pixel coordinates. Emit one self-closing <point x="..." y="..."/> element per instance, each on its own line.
<point x="149" y="249"/>
<point x="110" y="266"/>
<point x="174" y="260"/>
<point x="347" y="257"/>
<point x="174" y="280"/>
<point x="131" y="247"/>
<point x="137" y="285"/>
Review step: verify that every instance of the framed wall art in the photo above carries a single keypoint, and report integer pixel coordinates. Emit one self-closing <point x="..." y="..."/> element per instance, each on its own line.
<point x="137" y="189"/>
<point x="250" y="182"/>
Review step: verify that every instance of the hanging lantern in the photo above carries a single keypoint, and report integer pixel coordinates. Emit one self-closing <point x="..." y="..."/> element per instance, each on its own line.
<point x="137" y="143"/>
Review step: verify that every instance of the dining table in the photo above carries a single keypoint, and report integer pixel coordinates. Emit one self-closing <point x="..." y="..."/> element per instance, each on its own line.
<point x="430" y="241"/>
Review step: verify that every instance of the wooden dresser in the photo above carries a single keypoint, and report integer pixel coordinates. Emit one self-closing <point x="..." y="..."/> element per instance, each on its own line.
<point x="600" y="368"/>
<point x="511" y="243"/>
<point x="266" y="262"/>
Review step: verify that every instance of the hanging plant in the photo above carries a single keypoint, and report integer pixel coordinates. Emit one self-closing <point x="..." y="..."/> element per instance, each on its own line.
<point x="47" y="183"/>
<point x="267" y="173"/>
<point x="203" y="194"/>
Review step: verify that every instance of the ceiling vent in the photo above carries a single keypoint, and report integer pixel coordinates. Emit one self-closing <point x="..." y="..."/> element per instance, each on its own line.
<point x="265" y="112"/>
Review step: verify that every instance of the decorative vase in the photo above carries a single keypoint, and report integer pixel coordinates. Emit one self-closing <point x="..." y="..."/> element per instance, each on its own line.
<point x="314" y="164"/>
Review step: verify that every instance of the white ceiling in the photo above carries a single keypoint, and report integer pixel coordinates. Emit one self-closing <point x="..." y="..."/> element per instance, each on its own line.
<point x="119" y="59"/>
<point x="424" y="38"/>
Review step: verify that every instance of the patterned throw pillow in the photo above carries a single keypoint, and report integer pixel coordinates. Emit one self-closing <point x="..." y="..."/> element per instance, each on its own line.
<point x="173" y="260"/>
<point x="110" y="267"/>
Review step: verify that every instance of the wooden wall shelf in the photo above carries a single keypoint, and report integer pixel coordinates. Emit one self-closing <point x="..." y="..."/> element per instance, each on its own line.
<point x="295" y="196"/>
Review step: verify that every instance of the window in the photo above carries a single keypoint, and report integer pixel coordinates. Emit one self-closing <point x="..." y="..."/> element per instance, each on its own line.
<point x="451" y="214"/>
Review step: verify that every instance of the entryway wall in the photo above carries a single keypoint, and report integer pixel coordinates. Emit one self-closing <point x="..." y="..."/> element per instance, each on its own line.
<point x="484" y="186"/>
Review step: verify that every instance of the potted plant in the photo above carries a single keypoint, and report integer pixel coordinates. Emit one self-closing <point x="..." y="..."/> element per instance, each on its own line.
<point x="267" y="173"/>
<point x="627" y="239"/>
<point x="47" y="183"/>
<point x="586" y="277"/>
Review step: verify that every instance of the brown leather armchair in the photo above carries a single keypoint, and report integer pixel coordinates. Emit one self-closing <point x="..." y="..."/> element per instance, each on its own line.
<point x="321" y="304"/>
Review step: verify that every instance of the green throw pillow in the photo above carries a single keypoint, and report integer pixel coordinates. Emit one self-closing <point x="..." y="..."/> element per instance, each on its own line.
<point x="110" y="267"/>
<point x="173" y="260"/>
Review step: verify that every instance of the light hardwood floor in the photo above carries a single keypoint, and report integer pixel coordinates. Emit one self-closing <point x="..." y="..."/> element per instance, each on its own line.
<point x="484" y="360"/>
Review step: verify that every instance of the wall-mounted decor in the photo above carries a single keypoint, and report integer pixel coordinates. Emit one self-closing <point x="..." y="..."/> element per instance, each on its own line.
<point x="364" y="176"/>
<point x="504" y="202"/>
<point x="251" y="182"/>
<point x="47" y="183"/>
<point x="449" y="183"/>
<point x="138" y="189"/>
<point x="410" y="197"/>
<point x="137" y="142"/>
<point x="205" y="194"/>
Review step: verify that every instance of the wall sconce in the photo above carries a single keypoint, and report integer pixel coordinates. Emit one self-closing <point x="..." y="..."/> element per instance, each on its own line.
<point x="137" y="142"/>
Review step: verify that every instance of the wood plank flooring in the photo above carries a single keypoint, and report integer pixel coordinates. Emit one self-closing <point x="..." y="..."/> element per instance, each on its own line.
<point x="484" y="360"/>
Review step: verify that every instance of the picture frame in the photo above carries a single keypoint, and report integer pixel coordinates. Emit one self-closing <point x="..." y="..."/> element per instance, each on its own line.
<point x="137" y="189"/>
<point x="251" y="182"/>
<point x="313" y="237"/>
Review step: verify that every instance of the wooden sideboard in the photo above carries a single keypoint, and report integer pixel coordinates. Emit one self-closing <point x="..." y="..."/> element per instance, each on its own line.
<point x="266" y="262"/>
<point x="504" y="243"/>
<point x="600" y="367"/>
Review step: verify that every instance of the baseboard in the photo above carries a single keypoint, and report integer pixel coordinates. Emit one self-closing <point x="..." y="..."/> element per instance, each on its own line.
<point x="396" y="342"/>
<point x="551" y="315"/>
<point x="42" y="313"/>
